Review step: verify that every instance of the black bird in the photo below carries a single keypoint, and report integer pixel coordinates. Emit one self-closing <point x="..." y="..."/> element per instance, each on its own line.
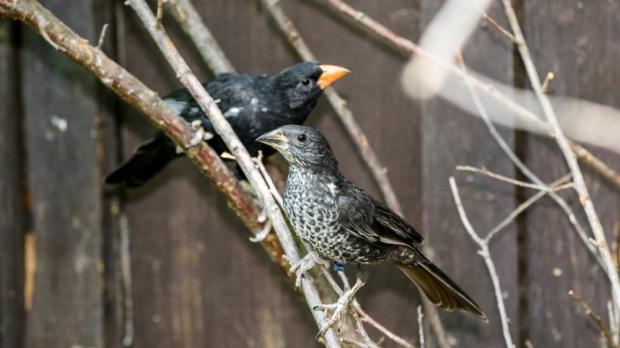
<point x="342" y="223"/>
<point x="253" y="104"/>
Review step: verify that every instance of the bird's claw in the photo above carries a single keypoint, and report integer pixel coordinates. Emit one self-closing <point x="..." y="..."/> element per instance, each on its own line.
<point x="301" y="267"/>
<point x="264" y="231"/>
<point x="339" y="307"/>
<point x="198" y="136"/>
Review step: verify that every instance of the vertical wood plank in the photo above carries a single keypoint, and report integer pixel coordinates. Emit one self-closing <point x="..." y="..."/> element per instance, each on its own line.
<point x="11" y="208"/>
<point x="450" y="138"/>
<point x="574" y="40"/>
<point x="61" y="148"/>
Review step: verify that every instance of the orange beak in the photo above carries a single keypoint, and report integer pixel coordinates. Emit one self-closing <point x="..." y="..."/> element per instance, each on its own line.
<point x="331" y="73"/>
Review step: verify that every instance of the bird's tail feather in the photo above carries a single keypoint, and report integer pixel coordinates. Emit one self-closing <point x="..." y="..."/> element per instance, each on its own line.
<point x="440" y="289"/>
<point x="149" y="159"/>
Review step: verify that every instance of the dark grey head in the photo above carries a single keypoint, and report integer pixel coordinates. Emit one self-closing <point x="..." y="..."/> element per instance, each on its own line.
<point x="302" y="146"/>
<point x="301" y="84"/>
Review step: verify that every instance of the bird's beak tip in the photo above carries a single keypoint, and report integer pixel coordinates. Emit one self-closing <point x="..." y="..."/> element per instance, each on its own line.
<point x="275" y="139"/>
<point x="331" y="74"/>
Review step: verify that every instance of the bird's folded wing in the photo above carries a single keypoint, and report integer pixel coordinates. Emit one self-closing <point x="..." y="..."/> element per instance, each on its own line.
<point x="365" y="218"/>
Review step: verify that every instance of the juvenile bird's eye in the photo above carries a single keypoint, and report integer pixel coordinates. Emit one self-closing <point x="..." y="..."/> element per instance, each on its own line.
<point x="301" y="138"/>
<point x="305" y="82"/>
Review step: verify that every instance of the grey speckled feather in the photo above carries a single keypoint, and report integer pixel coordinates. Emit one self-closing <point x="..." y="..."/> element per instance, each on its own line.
<point x="341" y="222"/>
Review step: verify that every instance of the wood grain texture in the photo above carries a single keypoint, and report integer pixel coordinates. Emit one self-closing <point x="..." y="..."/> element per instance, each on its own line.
<point x="574" y="41"/>
<point x="11" y="207"/>
<point x="450" y="138"/>
<point x="61" y="149"/>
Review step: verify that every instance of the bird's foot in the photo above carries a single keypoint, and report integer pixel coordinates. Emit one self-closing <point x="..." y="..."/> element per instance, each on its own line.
<point x="340" y="306"/>
<point x="260" y="235"/>
<point x="302" y="266"/>
<point x="199" y="134"/>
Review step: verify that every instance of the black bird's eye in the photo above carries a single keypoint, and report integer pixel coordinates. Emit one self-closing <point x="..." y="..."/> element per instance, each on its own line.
<point x="301" y="138"/>
<point x="305" y="82"/>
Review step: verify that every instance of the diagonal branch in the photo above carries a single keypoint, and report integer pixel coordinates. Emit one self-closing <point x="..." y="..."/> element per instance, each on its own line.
<point x="225" y="131"/>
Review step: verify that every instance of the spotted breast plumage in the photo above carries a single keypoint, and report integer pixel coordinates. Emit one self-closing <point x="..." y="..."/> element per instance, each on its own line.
<point x="340" y="222"/>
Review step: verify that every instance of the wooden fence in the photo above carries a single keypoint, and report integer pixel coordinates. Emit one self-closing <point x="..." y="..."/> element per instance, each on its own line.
<point x="194" y="278"/>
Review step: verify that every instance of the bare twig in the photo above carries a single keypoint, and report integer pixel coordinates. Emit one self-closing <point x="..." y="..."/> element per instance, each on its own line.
<point x="484" y="252"/>
<point x="523" y="206"/>
<point x="509" y="180"/>
<point x="571" y="160"/>
<point x="598" y="321"/>
<point x="365" y="317"/>
<point x="225" y="131"/>
<point x="160" y="12"/>
<point x="421" y="326"/>
<point x="507" y="149"/>
<point x="379" y="172"/>
<point x="408" y="47"/>
<point x="493" y="23"/>
<point x="547" y="82"/>
<point x="191" y="23"/>
<point x="104" y="30"/>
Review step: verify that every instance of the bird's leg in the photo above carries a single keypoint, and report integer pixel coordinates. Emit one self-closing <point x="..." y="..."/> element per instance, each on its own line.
<point x="304" y="265"/>
<point x="343" y="302"/>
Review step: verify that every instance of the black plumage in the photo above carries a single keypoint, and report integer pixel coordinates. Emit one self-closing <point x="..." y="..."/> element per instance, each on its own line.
<point x="342" y="223"/>
<point x="253" y="104"/>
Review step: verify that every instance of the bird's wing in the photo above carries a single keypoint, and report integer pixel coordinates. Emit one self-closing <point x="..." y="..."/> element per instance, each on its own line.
<point x="365" y="218"/>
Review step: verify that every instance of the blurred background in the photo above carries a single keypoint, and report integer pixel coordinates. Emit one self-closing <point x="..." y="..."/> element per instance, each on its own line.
<point x="191" y="278"/>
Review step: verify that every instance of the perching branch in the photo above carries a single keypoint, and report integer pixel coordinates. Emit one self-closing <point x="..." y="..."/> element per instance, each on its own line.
<point x="225" y="131"/>
<point x="408" y="47"/>
<point x="571" y="160"/>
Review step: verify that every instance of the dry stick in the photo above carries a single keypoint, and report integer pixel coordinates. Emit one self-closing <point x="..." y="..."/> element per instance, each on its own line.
<point x="420" y="326"/>
<point x="581" y="233"/>
<point x="486" y="172"/>
<point x="408" y="47"/>
<point x="493" y="23"/>
<point x="191" y="23"/>
<point x="483" y="244"/>
<point x="379" y="172"/>
<point x="598" y="321"/>
<point x="355" y="132"/>
<point x="225" y="131"/>
<point x="571" y="160"/>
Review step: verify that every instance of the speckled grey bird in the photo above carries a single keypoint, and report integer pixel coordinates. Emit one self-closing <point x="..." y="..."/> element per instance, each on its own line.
<point x="342" y="223"/>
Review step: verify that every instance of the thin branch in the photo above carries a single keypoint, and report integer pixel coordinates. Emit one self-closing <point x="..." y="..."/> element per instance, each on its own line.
<point x="379" y="172"/>
<point x="421" y="326"/>
<point x="523" y="206"/>
<point x="225" y="131"/>
<point x="486" y="255"/>
<point x="408" y="47"/>
<point x="515" y="182"/>
<point x="191" y="23"/>
<point x="571" y="160"/>
<point x="598" y="321"/>
<point x="495" y="25"/>
<point x="365" y="317"/>
<point x="547" y="82"/>
<point x="160" y="12"/>
<point x="527" y="172"/>
<point x="104" y="30"/>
